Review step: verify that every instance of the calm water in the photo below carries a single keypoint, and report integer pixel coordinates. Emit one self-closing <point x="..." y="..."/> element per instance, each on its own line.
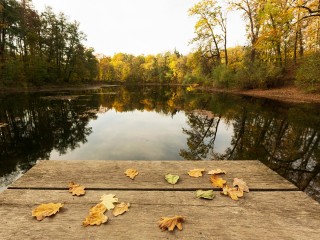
<point x="159" y="123"/>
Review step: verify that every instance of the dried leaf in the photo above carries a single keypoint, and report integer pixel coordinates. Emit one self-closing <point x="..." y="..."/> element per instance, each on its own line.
<point x="100" y="207"/>
<point x="217" y="171"/>
<point x="205" y="194"/>
<point x="171" y="222"/>
<point x="108" y="200"/>
<point x="241" y="185"/>
<point x="172" y="179"/>
<point x="95" y="218"/>
<point x="120" y="209"/>
<point x="76" y="189"/>
<point x="217" y="181"/>
<point x="196" y="172"/>
<point x="131" y="173"/>
<point x="234" y="193"/>
<point x="96" y="215"/>
<point x="46" y="210"/>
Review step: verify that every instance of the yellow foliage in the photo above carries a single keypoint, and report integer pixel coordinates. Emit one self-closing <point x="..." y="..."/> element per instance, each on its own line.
<point x="171" y="222"/>
<point x="131" y="173"/>
<point x="46" y="210"/>
<point x="196" y="172"/>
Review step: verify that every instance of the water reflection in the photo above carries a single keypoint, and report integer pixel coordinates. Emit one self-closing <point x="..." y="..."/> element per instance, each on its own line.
<point x="159" y="123"/>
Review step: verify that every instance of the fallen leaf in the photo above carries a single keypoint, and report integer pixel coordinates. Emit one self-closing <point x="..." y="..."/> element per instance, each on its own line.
<point x="205" y="194"/>
<point x="234" y="193"/>
<point x="217" y="181"/>
<point x="196" y="172"/>
<point x="46" y="210"/>
<point x="95" y="218"/>
<point x="241" y="185"/>
<point x="100" y="207"/>
<point x="96" y="215"/>
<point x="172" y="179"/>
<point x="171" y="222"/>
<point x="108" y="200"/>
<point x="216" y="172"/>
<point x="76" y="189"/>
<point x="131" y="173"/>
<point x="120" y="209"/>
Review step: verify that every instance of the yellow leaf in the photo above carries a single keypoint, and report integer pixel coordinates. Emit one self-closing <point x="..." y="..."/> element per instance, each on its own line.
<point x="234" y="193"/>
<point x="76" y="189"/>
<point x="241" y="185"/>
<point x="171" y="222"/>
<point x="46" y="210"/>
<point x="100" y="207"/>
<point x="196" y="172"/>
<point x="96" y="215"/>
<point x="108" y="200"/>
<point x="216" y="172"/>
<point x="120" y="209"/>
<point x="131" y="173"/>
<point x="217" y="181"/>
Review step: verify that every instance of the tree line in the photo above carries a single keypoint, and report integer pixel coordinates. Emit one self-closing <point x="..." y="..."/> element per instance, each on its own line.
<point x="42" y="47"/>
<point x="283" y="45"/>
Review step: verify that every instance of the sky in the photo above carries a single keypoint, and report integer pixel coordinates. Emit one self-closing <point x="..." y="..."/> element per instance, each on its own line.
<point x="138" y="26"/>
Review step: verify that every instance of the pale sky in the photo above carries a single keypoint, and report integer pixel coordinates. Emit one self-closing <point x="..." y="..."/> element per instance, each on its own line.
<point x="138" y="26"/>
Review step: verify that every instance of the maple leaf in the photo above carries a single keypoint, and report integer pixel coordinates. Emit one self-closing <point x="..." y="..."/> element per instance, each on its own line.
<point x="217" y="181"/>
<point x="216" y="172"/>
<point x="131" y="173"/>
<point x="196" y="172"/>
<point x="241" y="185"/>
<point x="120" y="209"/>
<point x="76" y="189"/>
<point x="171" y="222"/>
<point x="46" y="210"/>
<point x="205" y="194"/>
<point x="172" y="179"/>
<point x="108" y="200"/>
<point x="234" y="193"/>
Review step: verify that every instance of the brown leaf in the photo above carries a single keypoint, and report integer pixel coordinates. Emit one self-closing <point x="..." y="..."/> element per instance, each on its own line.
<point x="196" y="172"/>
<point x="46" y="210"/>
<point x="217" y="181"/>
<point x="76" y="189"/>
<point x="96" y="215"/>
<point x="216" y="172"/>
<point x="131" y="173"/>
<point x="120" y="209"/>
<point x="171" y="222"/>
<point x="234" y="193"/>
<point x="241" y="185"/>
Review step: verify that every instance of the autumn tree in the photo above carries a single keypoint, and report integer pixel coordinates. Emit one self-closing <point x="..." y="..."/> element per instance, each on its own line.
<point x="211" y="30"/>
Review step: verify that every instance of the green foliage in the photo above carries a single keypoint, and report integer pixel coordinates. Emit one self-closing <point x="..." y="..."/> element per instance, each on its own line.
<point x="223" y="76"/>
<point x="308" y="76"/>
<point x="40" y="48"/>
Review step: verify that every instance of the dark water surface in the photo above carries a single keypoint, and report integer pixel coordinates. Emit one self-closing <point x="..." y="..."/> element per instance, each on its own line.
<point x="159" y="123"/>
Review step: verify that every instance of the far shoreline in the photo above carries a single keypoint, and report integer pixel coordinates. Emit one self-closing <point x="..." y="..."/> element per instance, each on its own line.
<point x="290" y="94"/>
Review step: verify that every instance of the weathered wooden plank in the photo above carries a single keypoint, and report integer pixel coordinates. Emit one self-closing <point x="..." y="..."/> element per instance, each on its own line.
<point x="110" y="175"/>
<point x="261" y="215"/>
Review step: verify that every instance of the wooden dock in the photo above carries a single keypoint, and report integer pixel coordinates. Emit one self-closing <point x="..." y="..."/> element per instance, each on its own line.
<point x="273" y="209"/>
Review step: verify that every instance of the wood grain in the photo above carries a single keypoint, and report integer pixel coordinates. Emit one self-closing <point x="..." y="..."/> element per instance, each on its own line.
<point x="110" y="175"/>
<point x="260" y="215"/>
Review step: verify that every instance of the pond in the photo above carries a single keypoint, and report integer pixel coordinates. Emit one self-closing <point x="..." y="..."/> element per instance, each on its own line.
<point x="159" y="123"/>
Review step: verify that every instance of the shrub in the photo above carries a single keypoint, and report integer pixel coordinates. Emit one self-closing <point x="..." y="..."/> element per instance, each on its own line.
<point x="308" y="75"/>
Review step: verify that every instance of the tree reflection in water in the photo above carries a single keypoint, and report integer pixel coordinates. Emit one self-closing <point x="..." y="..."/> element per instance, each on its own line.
<point x="283" y="136"/>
